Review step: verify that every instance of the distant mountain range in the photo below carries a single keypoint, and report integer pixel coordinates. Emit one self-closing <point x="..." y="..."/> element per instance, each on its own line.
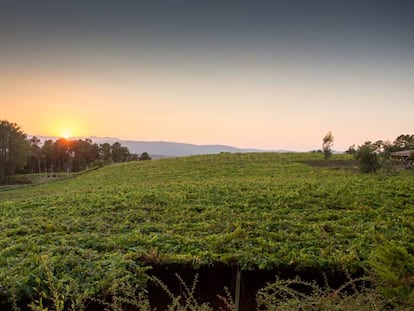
<point x="159" y="149"/>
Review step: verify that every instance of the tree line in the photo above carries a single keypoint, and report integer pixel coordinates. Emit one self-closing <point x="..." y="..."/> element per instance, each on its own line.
<point x="373" y="155"/>
<point x="20" y="154"/>
<point x="385" y="148"/>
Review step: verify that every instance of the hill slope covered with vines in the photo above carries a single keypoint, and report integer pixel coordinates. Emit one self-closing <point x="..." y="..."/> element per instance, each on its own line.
<point x="257" y="211"/>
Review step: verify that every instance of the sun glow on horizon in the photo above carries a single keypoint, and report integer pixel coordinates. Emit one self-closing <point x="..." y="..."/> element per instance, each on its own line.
<point x="66" y="127"/>
<point x="66" y="133"/>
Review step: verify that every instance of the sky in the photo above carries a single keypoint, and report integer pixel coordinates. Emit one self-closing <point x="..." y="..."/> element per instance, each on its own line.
<point x="258" y="74"/>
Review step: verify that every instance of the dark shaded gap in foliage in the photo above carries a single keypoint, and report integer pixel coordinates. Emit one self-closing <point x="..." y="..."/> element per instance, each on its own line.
<point x="213" y="279"/>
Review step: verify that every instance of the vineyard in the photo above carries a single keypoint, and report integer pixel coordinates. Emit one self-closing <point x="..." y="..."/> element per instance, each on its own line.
<point x="262" y="211"/>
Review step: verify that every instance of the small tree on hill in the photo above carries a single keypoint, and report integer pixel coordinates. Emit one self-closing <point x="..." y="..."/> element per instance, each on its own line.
<point x="144" y="156"/>
<point x="327" y="145"/>
<point x="351" y="150"/>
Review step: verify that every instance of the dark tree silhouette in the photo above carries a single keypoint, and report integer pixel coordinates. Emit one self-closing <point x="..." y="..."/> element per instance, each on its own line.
<point x="144" y="156"/>
<point x="14" y="149"/>
<point x="35" y="156"/>
<point x="119" y="153"/>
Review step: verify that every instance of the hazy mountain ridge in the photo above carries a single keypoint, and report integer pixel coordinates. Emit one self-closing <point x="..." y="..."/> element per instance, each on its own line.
<point x="164" y="148"/>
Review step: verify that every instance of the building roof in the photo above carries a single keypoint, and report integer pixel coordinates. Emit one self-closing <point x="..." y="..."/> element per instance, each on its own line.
<point x="404" y="153"/>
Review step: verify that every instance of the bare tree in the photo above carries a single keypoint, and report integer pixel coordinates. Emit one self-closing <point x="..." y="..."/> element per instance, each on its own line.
<point x="327" y="145"/>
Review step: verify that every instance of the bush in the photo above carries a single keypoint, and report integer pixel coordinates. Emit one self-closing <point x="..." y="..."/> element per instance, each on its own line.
<point x="393" y="266"/>
<point x="144" y="156"/>
<point x="367" y="158"/>
<point x="296" y="294"/>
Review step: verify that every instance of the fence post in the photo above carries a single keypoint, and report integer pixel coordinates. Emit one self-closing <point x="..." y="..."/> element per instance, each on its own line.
<point x="237" y="289"/>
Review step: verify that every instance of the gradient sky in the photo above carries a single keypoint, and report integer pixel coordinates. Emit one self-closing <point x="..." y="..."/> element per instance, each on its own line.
<point x="264" y="74"/>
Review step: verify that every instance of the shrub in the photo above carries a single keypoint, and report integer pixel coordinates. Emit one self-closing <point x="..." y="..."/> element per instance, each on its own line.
<point x="367" y="158"/>
<point x="296" y="294"/>
<point x="393" y="267"/>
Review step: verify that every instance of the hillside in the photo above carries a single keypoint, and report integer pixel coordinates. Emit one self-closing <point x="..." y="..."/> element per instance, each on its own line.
<point x="159" y="149"/>
<point x="257" y="211"/>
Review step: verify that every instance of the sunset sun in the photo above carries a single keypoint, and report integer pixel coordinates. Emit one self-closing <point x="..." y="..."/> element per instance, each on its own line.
<point x="66" y="133"/>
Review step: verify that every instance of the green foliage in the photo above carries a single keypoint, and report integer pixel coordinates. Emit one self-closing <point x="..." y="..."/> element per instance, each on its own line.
<point x="367" y="158"/>
<point x="394" y="268"/>
<point x="261" y="211"/>
<point x="51" y="297"/>
<point x="282" y="294"/>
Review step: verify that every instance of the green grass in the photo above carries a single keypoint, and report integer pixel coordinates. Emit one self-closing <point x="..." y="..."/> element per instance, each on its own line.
<point x="259" y="211"/>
